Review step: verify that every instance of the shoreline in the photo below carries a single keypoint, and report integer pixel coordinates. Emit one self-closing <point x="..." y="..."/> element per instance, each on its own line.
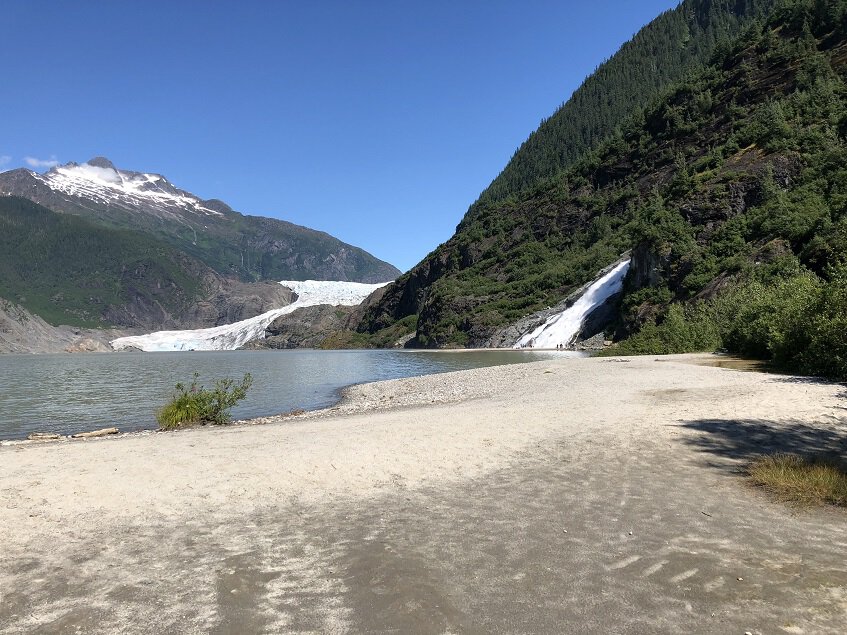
<point x="418" y="392"/>
<point x="347" y="396"/>
<point x="278" y="416"/>
<point x="606" y="489"/>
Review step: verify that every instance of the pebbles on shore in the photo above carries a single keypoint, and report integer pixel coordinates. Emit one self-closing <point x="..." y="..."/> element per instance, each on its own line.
<point x="440" y="388"/>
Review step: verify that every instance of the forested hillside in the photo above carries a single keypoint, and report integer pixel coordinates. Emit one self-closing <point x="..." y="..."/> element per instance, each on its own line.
<point x="661" y="53"/>
<point x="664" y="50"/>
<point x="734" y="178"/>
<point x="69" y="271"/>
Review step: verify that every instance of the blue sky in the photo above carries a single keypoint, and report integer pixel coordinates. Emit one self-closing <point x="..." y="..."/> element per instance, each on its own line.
<point x="378" y="122"/>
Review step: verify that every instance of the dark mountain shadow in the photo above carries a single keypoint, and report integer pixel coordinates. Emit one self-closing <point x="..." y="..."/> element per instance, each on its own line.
<point x="746" y="439"/>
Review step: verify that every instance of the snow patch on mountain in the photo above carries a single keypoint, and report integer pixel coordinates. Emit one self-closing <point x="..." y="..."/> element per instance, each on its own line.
<point x="106" y="184"/>
<point x="232" y="336"/>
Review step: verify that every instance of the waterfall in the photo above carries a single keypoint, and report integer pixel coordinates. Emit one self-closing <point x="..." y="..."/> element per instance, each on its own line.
<point x="563" y="327"/>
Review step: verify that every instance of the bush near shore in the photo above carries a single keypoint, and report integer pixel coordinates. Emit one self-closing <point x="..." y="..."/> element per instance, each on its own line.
<point x="795" y="320"/>
<point x="194" y="404"/>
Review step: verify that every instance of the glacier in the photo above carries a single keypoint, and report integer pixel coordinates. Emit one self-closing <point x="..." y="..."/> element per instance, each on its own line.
<point x="232" y="336"/>
<point x="562" y="328"/>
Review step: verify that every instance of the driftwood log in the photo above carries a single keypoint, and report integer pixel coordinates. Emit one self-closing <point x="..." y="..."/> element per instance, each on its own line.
<point x="43" y="436"/>
<point x="94" y="433"/>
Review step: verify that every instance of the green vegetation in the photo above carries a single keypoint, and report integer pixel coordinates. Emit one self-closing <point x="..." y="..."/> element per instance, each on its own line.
<point x="70" y="271"/>
<point x="799" y="480"/>
<point x="257" y="248"/>
<point x="683" y="330"/>
<point x="384" y="338"/>
<point x="729" y="189"/>
<point x="796" y="321"/>
<point x="659" y="55"/>
<point x="195" y="404"/>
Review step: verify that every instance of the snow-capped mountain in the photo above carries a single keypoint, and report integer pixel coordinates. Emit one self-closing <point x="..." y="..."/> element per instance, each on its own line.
<point x="233" y="244"/>
<point x="233" y="336"/>
<point x="100" y="181"/>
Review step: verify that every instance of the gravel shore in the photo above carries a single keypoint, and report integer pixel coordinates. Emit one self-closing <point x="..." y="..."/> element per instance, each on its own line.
<point x="441" y="388"/>
<point x="569" y="495"/>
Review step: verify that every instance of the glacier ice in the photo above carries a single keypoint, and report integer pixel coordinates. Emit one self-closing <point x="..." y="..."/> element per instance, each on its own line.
<point x="232" y="336"/>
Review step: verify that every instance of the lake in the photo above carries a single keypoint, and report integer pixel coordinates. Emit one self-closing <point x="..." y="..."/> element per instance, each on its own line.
<point x="68" y="393"/>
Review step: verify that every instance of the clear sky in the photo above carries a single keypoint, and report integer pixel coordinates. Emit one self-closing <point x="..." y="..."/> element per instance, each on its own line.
<point x="378" y="122"/>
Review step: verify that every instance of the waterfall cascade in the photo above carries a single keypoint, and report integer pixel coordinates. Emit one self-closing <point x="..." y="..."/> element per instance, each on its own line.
<point x="561" y="329"/>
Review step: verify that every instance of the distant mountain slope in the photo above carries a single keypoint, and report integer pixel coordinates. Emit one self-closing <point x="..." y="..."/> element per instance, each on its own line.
<point x="68" y="270"/>
<point x="740" y="165"/>
<point x="660" y="54"/>
<point x="248" y="247"/>
<point x="23" y="332"/>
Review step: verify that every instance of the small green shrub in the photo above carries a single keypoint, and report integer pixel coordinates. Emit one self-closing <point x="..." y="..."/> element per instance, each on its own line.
<point x="195" y="404"/>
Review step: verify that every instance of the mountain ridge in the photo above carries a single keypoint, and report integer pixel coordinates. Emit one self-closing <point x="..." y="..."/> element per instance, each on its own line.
<point x="673" y="43"/>
<point x="231" y="243"/>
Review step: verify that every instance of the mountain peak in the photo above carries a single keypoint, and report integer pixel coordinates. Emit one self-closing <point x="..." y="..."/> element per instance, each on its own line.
<point x="101" y="162"/>
<point x="245" y="246"/>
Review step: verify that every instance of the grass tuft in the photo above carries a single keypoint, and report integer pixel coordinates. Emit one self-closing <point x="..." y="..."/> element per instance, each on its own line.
<point x="183" y="410"/>
<point x="802" y="481"/>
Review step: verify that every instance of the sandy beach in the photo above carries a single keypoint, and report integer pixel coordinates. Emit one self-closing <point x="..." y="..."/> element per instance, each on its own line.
<point x="572" y="495"/>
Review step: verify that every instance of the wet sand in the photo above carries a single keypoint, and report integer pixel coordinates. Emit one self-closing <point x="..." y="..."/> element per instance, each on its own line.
<point x="733" y="363"/>
<point x="572" y="495"/>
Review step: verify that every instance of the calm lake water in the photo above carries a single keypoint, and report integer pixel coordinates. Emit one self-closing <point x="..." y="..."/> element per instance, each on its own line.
<point x="69" y="393"/>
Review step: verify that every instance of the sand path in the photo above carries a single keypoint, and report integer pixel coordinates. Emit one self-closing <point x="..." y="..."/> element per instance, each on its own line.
<point x="578" y="495"/>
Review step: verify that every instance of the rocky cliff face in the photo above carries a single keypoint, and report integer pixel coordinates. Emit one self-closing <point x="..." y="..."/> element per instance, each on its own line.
<point x="23" y="332"/>
<point x="224" y="301"/>
<point x="323" y="326"/>
<point x="233" y="301"/>
<point x="305" y="328"/>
